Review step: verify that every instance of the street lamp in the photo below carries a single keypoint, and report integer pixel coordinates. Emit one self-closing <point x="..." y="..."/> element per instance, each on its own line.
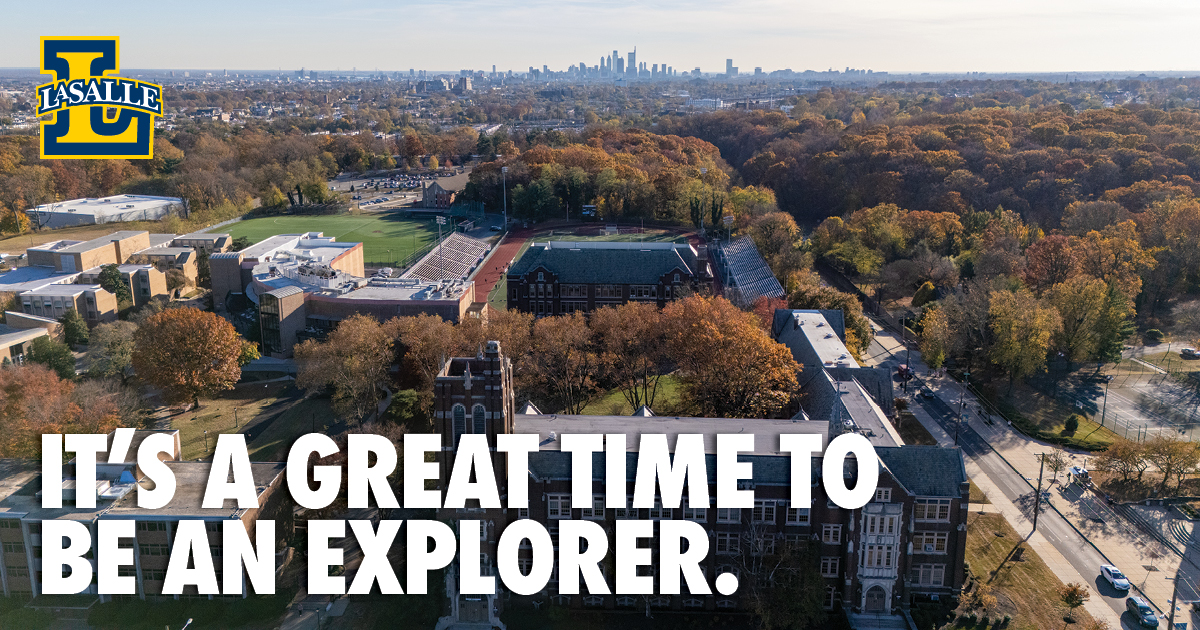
<point x="504" y="183"/>
<point x="206" y="440"/>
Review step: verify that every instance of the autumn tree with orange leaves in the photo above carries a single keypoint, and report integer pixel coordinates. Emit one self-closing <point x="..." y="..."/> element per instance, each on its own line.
<point x="33" y="401"/>
<point x="729" y="365"/>
<point x="187" y="353"/>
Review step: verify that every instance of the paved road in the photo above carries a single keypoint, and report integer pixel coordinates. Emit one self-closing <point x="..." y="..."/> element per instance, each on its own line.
<point x="1083" y="557"/>
<point x="1053" y="527"/>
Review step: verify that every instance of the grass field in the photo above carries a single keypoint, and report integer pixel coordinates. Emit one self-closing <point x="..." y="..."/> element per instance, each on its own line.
<point x="386" y="238"/>
<point x="614" y="404"/>
<point x="1026" y="590"/>
<point x="1172" y="361"/>
<point x="288" y="418"/>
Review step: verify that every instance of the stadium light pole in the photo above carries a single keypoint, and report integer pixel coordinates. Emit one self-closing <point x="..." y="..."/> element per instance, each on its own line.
<point x="504" y="183"/>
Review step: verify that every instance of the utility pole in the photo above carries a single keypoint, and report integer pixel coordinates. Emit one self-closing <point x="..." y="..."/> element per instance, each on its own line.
<point x="504" y="183"/>
<point x="1037" y="500"/>
<point x="1104" y="410"/>
<point x="1174" y="594"/>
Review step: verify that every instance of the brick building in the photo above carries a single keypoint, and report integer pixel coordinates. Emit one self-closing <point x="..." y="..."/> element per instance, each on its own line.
<point x="562" y="277"/>
<point x="907" y="544"/>
<point x="22" y="514"/>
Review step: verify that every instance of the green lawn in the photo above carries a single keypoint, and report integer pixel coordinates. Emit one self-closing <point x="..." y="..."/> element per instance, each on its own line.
<point x="651" y="235"/>
<point x="1172" y="361"/>
<point x="614" y="404"/>
<point x="386" y="238"/>
<point x="288" y="420"/>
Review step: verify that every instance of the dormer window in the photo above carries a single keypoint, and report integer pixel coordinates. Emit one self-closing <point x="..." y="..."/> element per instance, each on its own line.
<point x="541" y="277"/>
<point x="676" y="277"/>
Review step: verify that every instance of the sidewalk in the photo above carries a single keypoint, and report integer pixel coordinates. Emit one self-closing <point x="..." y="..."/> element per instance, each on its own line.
<point x="1149" y="565"/>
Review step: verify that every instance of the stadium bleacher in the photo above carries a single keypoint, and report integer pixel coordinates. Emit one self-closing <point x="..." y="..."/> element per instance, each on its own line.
<point x="454" y="259"/>
<point x="744" y="273"/>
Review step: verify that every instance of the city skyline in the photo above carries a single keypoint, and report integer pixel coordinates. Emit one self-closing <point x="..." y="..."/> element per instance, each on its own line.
<point x="936" y="36"/>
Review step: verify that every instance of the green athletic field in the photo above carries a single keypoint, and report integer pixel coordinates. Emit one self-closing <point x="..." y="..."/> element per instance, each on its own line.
<point x="386" y="238"/>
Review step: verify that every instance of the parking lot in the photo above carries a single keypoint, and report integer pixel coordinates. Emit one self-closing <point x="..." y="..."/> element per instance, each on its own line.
<point x="390" y="191"/>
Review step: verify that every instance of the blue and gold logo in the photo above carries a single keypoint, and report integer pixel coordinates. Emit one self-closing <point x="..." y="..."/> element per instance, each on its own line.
<point x="94" y="115"/>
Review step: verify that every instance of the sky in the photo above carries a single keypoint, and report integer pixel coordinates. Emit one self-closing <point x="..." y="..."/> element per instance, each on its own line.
<point x="882" y="35"/>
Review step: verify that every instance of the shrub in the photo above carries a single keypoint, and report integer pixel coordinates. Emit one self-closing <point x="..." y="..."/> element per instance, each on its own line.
<point x="1072" y="423"/>
<point x="924" y="295"/>
<point x="1154" y="335"/>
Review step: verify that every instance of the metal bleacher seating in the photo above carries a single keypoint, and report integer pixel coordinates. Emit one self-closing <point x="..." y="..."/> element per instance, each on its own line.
<point x="744" y="273"/>
<point x="454" y="259"/>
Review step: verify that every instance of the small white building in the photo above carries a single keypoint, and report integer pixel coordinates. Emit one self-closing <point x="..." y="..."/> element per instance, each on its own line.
<point x="115" y="209"/>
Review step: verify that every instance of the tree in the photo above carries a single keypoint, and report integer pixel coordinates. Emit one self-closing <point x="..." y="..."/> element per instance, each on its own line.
<point x="13" y="221"/>
<point x="754" y="377"/>
<point x="176" y="280"/>
<point x="34" y="400"/>
<point x="1115" y="255"/>
<point x="925" y="294"/>
<point x="982" y="597"/>
<point x="110" y="349"/>
<point x="353" y="360"/>
<point x="630" y="339"/>
<point x="111" y="280"/>
<point x="936" y="337"/>
<point x="564" y="362"/>
<point x="1080" y="303"/>
<point x="55" y="355"/>
<point x="75" y="330"/>
<point x="187" y="353"/>
<point x="806" y="291"/>
<point x="1023" y="328"/>
<point x="433" y="163"/>
<point x="424" y="343"/>
<point x="1125" y="457"/>
<point x="1056" y="461"/>
<point x="1048" y="262"/>
<point x="1173" y="457"/>
<point x="780" y="581"/>
<point x="1073" y="596"/>
<point x="273" y="198"/>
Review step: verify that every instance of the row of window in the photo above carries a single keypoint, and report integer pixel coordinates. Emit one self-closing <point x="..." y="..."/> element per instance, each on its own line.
<point x="558" y="506"/>
<point x="478" y="420"/>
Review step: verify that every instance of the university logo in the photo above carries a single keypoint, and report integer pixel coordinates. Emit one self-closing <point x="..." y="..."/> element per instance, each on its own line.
<point x="94" y="115"/>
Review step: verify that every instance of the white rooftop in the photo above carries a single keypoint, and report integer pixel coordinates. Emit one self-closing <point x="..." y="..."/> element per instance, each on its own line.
<point x="310" y="246"/>
<point x="766" y="432"/>
<point x="115" y="205"/>
<point x="824" y="340"/>
<point x="33" y="277"/>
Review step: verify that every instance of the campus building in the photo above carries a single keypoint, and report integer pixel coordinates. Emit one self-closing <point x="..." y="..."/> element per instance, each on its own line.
<point x="115" y="209"/>
<point x="906" y="545"/>
<point x="304" y="284"/>
<point x="563" y="277"/>
<point x="64" y="274"/>
<point x="22" y="514"/>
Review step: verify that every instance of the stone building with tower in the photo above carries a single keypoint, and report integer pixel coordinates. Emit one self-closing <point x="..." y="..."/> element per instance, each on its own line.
<point x="906" y="545"/>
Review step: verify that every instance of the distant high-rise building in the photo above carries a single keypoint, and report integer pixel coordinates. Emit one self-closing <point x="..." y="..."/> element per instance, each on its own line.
<point x="613" y="66"/>
<point x="633" y="67"/>
<point x="758" y="71"/>
<point x="620" y="66"/>
<point x="730" y="69"/>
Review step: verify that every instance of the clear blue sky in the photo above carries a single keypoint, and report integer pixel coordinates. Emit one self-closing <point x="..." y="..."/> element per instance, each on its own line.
<point x="892" y="35"/>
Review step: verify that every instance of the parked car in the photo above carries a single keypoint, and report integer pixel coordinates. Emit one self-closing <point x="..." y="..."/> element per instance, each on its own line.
<point x="904" y="372"/>
<point x="1188" y="353"/>
<point x="926" y="392"/>
<point x="1114" y="577"/>
<point x="497" y="228"/>
<point x="1142" y="612"/>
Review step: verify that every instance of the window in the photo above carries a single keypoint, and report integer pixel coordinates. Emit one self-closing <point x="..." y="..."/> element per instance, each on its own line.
<point x="549" y="290"/>
<point x="460" y="422"/>
<point x="522" y="513"/>
<point x="883" y="495"/>
<point x="126" y="570"/>
<point x="626" y="601"/>
<point x="676" y="277"/>
<point x="155" y="575"/>
<point x="931" y="510"/>
<point x="541" y="289"/>
<point x="729" y="515"/>
<point x="157" y="550"/>
<point x="14" y="547"/>
<point x="596" y="512"/>
<point x="727" y="543"/>
<point x="794" y="540"/>
<point x="572" y="290"/>
<point x="764" y="512"/>
<point x="558" y="506"/>
<point x="642" y="292"/>
<point x="831" y="534"/>
<point x="695" y="514"/>
<point x="764" y="546"/>
<point x="161" y="526"/>
<point x="797" y="516"/>
<point x="608" y="291"/>
<point x="658" y="512"/>
<point x="928" y="574"/>
<point x="17" y="570"/>
<point x="627" y="512"/>
<point x="541" y="277"/>
<point x="882" y="525"/>
<point x="593" y="600"/>
<point x="10" y="523"/>
<point x="930" y="542"/>
<point x="212" y="527"/>
<point x="726" y="603"/>
<point x="660" y="601"/>
<point x="830" y="566"/>
<point x="877" y="556"/>
<point x="693" y="602"/>
<point x="35" y="528"/>
<point x="572" y="306"/>
<point x="478" y="417"/>
<point x="830" y="592"/>
<point x="485" y="564"/>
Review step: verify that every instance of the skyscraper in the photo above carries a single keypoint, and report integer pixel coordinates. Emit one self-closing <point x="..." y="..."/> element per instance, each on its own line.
<point x="730" y="69"/>
<point x="633" y="67"/>
<point x="613" y="66"/>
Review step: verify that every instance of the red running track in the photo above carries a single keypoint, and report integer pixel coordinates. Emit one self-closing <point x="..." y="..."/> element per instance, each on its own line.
<point x="498" y="264"/>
